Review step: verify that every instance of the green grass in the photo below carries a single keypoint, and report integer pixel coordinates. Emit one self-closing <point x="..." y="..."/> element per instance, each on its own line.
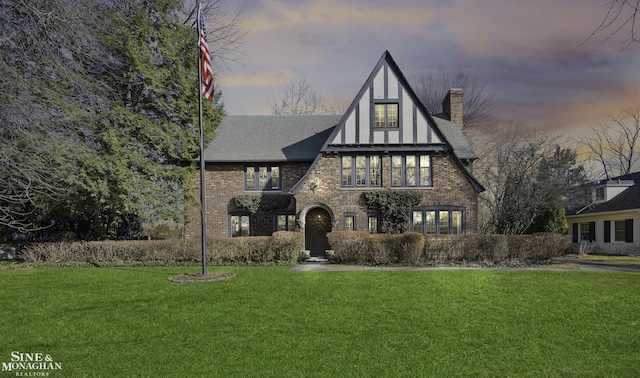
<point x="268" y="322"/>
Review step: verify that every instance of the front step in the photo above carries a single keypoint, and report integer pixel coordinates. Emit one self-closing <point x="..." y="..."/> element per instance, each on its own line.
<point x="315" y="259"/>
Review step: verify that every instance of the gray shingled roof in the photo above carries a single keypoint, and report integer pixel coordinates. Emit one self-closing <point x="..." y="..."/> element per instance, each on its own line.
<point x="454" y="135"/>
<point x="627" y="200"/>
<point x="295" y="138"/>
<point x="270" y="138"/>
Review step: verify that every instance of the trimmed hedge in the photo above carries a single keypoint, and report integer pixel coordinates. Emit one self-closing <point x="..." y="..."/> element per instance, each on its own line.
<point x="356" y="247"/>
<point x="281" y="248"/>
<point x="495" y="249"/>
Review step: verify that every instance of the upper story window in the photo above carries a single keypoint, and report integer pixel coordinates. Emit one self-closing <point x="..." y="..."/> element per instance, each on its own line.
<point x="599" y="194"/>
<point x="262" y="178"/>
<point x="411" y="171"/>
<point x="361" y="171"/>
<point x="386" y="115"/>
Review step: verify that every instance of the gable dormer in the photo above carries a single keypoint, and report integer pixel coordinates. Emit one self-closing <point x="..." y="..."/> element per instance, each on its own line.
<point x="386" y="113"/>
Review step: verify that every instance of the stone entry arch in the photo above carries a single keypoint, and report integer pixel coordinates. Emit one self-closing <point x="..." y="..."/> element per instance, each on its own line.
<point x="316" y="220"/>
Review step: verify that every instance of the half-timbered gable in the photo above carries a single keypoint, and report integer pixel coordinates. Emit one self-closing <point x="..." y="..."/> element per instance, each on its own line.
<point x="385" y="113"/>
<point x="386" y="140"/>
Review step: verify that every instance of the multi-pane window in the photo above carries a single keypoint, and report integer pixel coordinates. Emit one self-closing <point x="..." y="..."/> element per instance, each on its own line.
<point x="239" y="225"/>
<point x="349" y="222"/>
<point x="375" y="179"/>
<point x="585" y="232"/>
<point x="361" y="171"/>
<point x="456" y="222"/>
<point x="372" y="224"/>
<point x="396" y="171"/>
<point x="620" y="231"/>
<point x="430" y="222"/>
<point x="250" y="178"/>
<point x="347" y="174"/>
<point x="442" y="221"/>
<point x="275" y="178"/>
<point x="285" y="222"/>
<point x="411" y="171"/>
<point x="386" y="115"/>
<point x="425" y="170"/>
<point x="262" y="178"/>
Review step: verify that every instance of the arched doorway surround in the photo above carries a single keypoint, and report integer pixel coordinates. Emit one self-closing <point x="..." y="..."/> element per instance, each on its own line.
<point x="316" y="220"/>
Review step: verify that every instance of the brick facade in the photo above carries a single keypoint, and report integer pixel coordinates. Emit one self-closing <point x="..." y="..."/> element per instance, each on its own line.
<point x="225" y="181"/>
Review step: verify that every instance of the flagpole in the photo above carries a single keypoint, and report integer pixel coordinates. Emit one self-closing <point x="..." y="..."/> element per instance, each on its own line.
<point x="203" y="197"/>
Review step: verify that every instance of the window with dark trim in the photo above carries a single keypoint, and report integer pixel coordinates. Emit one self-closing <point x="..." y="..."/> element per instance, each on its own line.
<point x="587" y="231"/>
<point x="285" y="222"/>
<point x="411" y="171"/>
<point x="361" y="171"/>
<point x="373" y="223"/>
<point x="438" y="220"/>
<point x="349" y="222"/>
<point x="622" y="230"/>
<point x="262" y="178"/>
<point x="239" y="224"/>
<point x="386" y="115"/>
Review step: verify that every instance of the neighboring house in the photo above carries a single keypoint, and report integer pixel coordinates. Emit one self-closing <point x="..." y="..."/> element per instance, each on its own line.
<point x="385" y="140"/>
<point x="611" y="223"/>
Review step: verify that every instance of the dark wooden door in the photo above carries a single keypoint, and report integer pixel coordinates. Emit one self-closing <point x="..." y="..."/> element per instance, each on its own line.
<point x="317" y="225"/>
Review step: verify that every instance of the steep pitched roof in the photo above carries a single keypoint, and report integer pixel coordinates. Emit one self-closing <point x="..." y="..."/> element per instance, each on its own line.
<point x="270" y="138"/>
<point x="386" y="84"/>
<point x="454" y="135"/>
<point x="629" y="199"/>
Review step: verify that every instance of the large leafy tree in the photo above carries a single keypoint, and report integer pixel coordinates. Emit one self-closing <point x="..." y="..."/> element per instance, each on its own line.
<point x="103" y="106"/>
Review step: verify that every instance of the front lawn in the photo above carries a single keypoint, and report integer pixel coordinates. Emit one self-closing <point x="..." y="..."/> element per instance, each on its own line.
<point x="268" y="322"/>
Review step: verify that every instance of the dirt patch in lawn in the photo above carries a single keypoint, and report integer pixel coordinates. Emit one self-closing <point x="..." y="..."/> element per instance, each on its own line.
<point x="198" y="277"/>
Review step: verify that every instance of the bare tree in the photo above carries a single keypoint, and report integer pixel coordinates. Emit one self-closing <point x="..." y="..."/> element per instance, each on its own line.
<point x="299" y="97"/>
<point x="525" y="179"/>
<point x="225" y="32"/>
<point x="614" y="146"/>
<point x="620" y="16"/>
<point x="431" y="88"/>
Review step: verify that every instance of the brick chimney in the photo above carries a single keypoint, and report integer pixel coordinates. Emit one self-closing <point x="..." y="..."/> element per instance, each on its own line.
<point x="452" y="106"/>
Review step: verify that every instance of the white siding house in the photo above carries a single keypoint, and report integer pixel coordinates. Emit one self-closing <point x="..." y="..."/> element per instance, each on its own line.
<point x="611" y="223"/>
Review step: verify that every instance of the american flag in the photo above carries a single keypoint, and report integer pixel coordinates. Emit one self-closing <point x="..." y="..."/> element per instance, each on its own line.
<point x="205" y="63"/>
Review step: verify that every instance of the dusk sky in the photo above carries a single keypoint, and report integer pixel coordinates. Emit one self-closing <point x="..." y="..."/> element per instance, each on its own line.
<point x="527" y="52"/>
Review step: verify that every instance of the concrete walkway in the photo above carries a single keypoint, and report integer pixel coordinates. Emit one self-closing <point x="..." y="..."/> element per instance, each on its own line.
<point x="322" y="265"/>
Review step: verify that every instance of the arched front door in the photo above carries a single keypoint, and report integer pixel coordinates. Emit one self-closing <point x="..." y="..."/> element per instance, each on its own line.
<point x="317" y="225"/>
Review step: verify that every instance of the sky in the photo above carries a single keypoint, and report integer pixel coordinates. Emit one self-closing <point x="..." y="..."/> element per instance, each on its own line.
<point x="529" y="54"/>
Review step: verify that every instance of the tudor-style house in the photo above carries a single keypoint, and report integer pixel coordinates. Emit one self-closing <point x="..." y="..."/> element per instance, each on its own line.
<point x="386" y="140"/>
